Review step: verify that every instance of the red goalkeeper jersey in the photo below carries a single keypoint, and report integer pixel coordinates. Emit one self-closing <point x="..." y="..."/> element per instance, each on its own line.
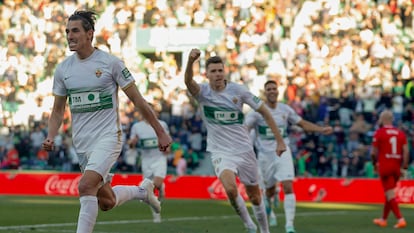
<point x="389" y="141"/>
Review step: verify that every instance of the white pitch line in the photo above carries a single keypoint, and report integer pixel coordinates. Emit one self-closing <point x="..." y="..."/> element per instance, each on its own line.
<point x="182" y="219"/>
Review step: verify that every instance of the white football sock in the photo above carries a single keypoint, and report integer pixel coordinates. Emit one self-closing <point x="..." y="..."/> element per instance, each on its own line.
<point x="261" y="217"/>
<point x="241" y="210"/>
<point x="272" y="214"/>
<point x="87" y="214"/>
<point x="268" y="204"/>
<point x="290" y="209"/>
<point x="124" y="193"/>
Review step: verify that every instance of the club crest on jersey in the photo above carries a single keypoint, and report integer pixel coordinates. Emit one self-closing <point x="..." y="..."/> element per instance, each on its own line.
<point x="235" y="100"/>
<point x="98" y="73"/>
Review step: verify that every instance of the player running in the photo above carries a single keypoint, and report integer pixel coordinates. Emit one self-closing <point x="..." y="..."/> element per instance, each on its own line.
<point x="228" y="140"/>
<point x="272" y="167"/>
<point x="153" y="161"/>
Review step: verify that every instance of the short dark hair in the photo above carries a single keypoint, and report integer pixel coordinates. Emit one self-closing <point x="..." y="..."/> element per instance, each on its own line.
<point x="87" y="17"/>
<point x="270" y="82"/>
<point x="214" y="60"/>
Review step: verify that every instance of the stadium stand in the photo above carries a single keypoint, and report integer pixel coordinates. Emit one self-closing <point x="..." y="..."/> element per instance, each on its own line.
<point x="337" y="62"/>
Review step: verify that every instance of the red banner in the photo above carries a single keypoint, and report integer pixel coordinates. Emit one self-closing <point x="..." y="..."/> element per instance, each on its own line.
<point x="207" y="187"/>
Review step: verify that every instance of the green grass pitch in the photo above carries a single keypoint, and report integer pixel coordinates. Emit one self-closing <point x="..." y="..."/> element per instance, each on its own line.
<point x="22" y="214"/>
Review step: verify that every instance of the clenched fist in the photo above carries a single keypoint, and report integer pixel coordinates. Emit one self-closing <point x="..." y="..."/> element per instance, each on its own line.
<point x="48" y="144"/>
<point x="194" y="55"/>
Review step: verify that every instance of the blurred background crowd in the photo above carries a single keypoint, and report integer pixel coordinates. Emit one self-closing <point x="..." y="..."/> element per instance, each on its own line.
<point x="338" y="62"/>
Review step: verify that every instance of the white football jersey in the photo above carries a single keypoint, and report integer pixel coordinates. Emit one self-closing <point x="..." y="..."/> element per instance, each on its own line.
<point x="91" y="86"/>
<point x="222" y="113"/>
<point x="147" y="138"/>
<point x="283" y="115"/>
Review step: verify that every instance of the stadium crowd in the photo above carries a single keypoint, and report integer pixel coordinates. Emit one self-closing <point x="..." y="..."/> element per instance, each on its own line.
<point x="337" y="62"/>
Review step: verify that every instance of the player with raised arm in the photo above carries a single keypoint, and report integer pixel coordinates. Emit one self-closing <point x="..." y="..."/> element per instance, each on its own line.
<point x="389" y="155"/>
<point x="273" y="168"/>
<point x="228" y="140"/>
<point x="90" y="80"/>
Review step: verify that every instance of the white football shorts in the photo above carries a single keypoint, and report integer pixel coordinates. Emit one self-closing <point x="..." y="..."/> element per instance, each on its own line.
<point x="154" y="166"/>
<point x="274" y="168"/>
<point x="244" y="165"/>
<point x="102" y="157"/>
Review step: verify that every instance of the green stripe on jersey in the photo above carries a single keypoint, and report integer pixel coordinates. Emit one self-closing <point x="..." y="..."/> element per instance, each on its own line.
<point x="266" y="133"/>
<point x="223" y="116"/>
<point x="87" y="100"/>
<point x="148" y="143"/>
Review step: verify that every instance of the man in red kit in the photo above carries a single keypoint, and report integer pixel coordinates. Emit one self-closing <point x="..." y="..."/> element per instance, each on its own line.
<point x="389" y="152"/>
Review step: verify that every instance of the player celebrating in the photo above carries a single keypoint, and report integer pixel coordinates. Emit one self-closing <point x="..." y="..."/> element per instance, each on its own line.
<point x="272" y="167"/>
<point x="153" y="161"/>
<point x="90" y="79"/>
<point x="228" y="140"/>
<point x="389" y="152"/>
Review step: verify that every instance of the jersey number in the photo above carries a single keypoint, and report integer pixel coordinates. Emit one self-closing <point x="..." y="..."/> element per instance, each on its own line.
<point x="393" y="142"/>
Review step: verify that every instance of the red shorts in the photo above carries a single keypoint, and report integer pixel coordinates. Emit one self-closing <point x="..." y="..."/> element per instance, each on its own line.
<point x="389" y="178"/>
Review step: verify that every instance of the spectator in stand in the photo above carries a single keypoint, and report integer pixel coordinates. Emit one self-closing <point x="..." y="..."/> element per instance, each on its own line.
<point x="178" y="101"/>
<point x="37" y="137"/>
<point x="195" y="140"/>
<point x="340" y="138"/>
<point x="192" y="159"/>
<point x="302" y="158"/>
<point x="11" y="160"/>
<point x="345" y="110"/>
<point x="390" y="155"/>
<point x="180" y="168"/>
<point x="397" y="107"/>
<point x="361" y="127"/>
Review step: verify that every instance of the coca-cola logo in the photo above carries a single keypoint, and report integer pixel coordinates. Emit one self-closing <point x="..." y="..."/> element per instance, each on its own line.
<point x="405" y="194"/>
<point x="62" y="186"/>
<point x="216" y="190"/>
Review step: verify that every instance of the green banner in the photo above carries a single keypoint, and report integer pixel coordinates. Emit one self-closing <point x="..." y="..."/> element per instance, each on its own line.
<point x="176" y="39"/>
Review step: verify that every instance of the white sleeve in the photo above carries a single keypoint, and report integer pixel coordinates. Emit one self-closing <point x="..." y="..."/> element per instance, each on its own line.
<point x="134" y="131"/>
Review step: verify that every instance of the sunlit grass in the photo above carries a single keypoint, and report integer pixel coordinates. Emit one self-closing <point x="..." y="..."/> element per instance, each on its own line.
<point x="22" y="214"/>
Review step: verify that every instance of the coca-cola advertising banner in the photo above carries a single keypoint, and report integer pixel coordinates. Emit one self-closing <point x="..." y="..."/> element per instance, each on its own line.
<point x="207" y="187"/>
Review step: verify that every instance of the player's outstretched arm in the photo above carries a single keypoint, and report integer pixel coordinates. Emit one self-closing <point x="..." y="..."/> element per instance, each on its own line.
<point x="311" y="127"/>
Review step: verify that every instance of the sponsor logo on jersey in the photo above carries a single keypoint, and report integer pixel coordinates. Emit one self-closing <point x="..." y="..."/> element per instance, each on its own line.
<point x="226" y="115"/>
<point x="126" y="74"/>
<point x="84" y="98"/>
<point x="90" y="100"/>
<point x="148" y="143"/>
<point x="223" y="116"/>
<point x="265" y="132"/>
